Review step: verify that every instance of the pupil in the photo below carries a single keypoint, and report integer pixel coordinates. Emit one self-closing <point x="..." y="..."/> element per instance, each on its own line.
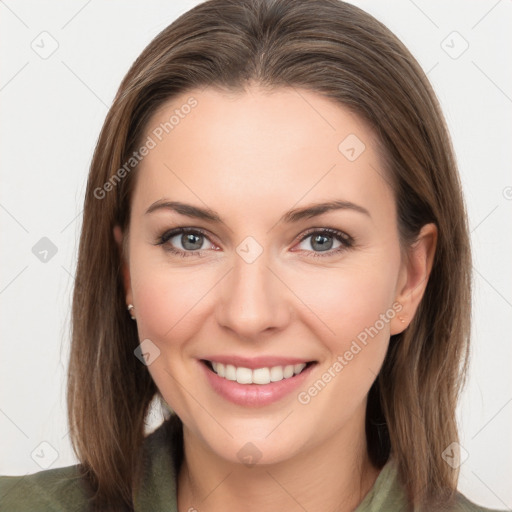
<point x="323" y="241"/>
<point x="190" y="238"/>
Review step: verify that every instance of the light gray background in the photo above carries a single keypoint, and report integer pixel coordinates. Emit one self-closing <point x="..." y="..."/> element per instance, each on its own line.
<point x="52" y="111"/>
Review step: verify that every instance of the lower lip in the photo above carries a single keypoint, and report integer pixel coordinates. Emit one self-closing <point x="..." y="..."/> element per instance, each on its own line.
<point x="254" y="395"/>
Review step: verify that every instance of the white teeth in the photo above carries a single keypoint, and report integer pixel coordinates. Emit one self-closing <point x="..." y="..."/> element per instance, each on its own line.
<point x="276" y="373"/>
<point x="298" y="368"/>
<point x="244" y="375"/>
<point x="259" y="375"/>
<point x="221" y="370"/>
<point x="288" y="371"/>
<point x="230" y="372"/>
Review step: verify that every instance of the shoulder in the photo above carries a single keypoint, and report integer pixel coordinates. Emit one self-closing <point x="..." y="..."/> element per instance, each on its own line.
<point x="64" y="489"/>
<point x="388" y="493"/>
<point x="52" y="490"/>
<point x="462" y="504"/>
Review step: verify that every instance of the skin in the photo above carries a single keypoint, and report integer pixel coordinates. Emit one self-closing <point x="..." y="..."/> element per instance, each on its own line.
<point x="252" y="157"/>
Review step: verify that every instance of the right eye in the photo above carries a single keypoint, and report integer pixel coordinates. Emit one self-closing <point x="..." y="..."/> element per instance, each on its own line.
<point x="185" y="241"/>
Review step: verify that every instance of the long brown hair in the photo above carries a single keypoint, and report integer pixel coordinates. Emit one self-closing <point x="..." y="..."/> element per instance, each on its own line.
<point x="342" y="53"/>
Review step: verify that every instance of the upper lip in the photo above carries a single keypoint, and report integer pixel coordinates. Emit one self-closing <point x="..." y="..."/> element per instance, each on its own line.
<point x="256" y="362"/>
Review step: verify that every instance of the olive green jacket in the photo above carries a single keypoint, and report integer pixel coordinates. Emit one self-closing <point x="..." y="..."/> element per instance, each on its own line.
<point x="59" y="490"/>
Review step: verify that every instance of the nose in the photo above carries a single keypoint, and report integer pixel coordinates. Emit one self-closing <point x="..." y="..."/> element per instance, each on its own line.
<point x="253" y="300"/>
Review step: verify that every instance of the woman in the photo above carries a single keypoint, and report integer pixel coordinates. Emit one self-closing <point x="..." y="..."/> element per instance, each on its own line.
<point x="275" y="244"/>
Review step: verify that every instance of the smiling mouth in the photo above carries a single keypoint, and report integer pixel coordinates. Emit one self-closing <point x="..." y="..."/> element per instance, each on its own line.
<point x="260" y="376"/>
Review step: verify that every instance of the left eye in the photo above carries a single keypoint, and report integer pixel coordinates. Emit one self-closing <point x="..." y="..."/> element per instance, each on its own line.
<point x="321" y="241"/>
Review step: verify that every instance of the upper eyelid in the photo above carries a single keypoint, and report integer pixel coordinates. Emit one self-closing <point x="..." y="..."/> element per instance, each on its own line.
<point x="170" y="233"/>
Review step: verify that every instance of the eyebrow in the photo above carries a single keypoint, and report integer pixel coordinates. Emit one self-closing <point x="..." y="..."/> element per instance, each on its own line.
<point x="289" y="217"/>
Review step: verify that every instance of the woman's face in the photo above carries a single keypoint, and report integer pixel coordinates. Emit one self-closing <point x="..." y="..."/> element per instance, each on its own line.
<point x="256" y="284"/>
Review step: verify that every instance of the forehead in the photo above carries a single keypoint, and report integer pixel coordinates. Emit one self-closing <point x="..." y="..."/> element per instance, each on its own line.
<point x="257" y="148"/>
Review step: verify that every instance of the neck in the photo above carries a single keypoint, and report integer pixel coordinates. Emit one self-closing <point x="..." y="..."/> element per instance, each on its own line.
<point x="333" y="476"/>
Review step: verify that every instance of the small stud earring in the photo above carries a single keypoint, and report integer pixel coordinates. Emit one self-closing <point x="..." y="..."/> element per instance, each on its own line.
<point x="129" y="308"/>
<point x="401" y="318"/>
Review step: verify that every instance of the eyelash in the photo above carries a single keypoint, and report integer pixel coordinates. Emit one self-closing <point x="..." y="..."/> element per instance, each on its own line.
<point x="346" y="241"/>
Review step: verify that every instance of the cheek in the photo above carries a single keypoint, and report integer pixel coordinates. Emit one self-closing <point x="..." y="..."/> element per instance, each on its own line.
<point x="169" y="304"/>
<point x="353" y="313"/>
<point x="345" y="302"/>
<point x="167" y="301"/>
<point x="165" y="294"/>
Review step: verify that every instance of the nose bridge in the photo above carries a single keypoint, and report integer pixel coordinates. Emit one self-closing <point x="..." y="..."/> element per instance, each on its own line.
<point x="253" y="299"/>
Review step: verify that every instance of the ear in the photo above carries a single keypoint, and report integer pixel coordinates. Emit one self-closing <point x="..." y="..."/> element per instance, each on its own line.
<point x="413" y="276"/>
<point x="125" y="270"/>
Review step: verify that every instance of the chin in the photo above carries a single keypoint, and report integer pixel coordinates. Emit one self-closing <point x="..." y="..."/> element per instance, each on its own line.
<point x="261" y="445"/>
